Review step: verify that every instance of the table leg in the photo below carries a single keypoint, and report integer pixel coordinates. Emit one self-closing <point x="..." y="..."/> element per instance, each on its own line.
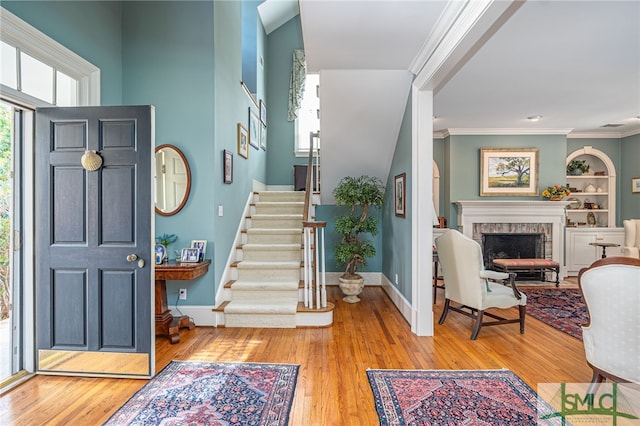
<point x="167" y="324"/>
<point x="604" y="252"/>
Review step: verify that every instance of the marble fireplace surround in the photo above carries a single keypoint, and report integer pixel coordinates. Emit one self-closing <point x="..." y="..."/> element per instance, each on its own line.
<point x="493" y="216"/>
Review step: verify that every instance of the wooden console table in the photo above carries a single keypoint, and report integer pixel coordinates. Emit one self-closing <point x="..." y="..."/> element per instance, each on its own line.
<point x="167" y="324"/>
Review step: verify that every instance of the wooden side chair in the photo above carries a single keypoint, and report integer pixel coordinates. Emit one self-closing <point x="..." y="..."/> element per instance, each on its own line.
<point x="611" y="290"/>
<point x="474" y="288"/>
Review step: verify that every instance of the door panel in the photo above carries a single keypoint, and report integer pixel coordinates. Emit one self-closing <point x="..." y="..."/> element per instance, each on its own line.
<point x="93" y="306"/>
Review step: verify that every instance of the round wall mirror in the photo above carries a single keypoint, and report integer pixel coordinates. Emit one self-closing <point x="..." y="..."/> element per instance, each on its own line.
<point x="172" y="180"/>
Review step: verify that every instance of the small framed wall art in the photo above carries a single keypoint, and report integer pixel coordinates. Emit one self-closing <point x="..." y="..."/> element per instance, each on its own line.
<point x="635" y="185"/>
<point x="227" y="166"/>
<point x="254" y="129"/>
<point x="400" y="195"/>
<point x="243" y="141"/>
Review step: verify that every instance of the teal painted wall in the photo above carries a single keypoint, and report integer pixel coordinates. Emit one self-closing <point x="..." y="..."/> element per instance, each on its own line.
<point x="168" y="62"/>
<point x="183" y="57"/>
<point x="630" y="165"/>
<point x="90" y="29"/>
<point x="397" y="235"/>
<point x="281" y="134"/>
<point x="462" y="161"/>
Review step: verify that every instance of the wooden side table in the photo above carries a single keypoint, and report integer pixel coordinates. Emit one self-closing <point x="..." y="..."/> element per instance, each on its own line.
<point x="604" y="247"/>
<point x="167" y="324"/>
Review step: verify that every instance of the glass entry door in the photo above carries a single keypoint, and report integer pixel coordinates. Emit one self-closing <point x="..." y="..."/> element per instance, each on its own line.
<point x="11" y="288"/>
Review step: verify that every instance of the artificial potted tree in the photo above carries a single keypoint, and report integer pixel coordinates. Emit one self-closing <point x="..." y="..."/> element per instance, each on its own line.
<point x="358" y="194"/>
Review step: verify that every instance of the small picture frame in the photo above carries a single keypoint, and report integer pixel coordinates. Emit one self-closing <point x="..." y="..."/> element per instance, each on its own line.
<point x="243" y="141"/>
<point x="254" y="129"/>
<point x="263" y="112"/>
<point x="227" y="166"/>
<point x="190" y="255"/>
<point x="201" y="245"/>
<point x="161" y="254"/>
<point x="635" y="185"/>
<point x="263" y="137"/>
<point x="400" y="194"/>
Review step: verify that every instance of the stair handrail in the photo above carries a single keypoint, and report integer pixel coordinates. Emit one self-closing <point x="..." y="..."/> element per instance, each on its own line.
<point x="314" y="252"/>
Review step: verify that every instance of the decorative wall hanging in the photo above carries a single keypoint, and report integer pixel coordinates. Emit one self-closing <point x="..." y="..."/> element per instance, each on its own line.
<point x="509" y="172"/>
<point x="91" y="160"/>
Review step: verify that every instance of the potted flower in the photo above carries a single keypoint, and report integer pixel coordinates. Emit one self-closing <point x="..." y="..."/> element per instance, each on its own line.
<point x="358" y="194"/>
<point x="577" y="167"/>
<point x="556" y="192"/>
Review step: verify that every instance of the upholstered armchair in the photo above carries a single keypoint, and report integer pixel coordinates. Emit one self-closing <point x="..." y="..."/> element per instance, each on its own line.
<point x="472" y="287"/>
<point x="611" y="290"/>
<point x="631" y="246"/>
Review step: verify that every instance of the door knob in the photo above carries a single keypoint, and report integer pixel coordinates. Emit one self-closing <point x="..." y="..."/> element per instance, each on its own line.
<point x="132" y="257"/>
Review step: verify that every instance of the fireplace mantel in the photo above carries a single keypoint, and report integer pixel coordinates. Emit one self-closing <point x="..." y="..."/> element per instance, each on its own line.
<point x="505" y="211"/>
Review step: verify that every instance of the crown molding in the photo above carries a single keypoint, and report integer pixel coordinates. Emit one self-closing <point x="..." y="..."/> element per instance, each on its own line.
<point x="505" y="131"/>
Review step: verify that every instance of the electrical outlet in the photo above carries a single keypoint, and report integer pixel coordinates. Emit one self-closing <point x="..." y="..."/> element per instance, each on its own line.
<point x="183" y="294"/>
<point x="396" y="279"/>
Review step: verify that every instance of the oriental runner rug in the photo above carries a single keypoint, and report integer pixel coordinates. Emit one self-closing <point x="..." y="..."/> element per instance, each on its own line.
<point x="213" y="393"/>
<point x="562" y="308"/>
<point x="454" y="397"/>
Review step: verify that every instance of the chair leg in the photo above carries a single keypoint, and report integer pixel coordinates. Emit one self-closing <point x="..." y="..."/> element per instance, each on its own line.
<point x="523" y="310"/>
<point x="435" y="283"/>
<point x="445" y="311"/>
<point x="593" y="387"/>
<point x="476" y="329"/>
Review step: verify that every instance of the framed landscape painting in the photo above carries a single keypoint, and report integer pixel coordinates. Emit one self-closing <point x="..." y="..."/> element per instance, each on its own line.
<point x="509" y="172"/>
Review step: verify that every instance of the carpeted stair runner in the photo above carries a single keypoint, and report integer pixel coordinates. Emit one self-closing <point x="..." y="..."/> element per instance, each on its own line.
<point x="265" y="292"/>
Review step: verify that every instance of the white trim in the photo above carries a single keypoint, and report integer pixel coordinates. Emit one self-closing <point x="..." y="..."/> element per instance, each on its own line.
<point x="201" y="315"/>
<point x="403" y="305"/>
<point x="421" y="211"/>
<point x="35" y="43"/>
<point x="506" y="131"/>
<point x="463" y="30"/>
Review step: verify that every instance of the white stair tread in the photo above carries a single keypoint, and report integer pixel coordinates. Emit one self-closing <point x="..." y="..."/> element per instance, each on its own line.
<point x="266" y="285"/>
<point x="258" y="307"/>
<point x="280" y="264"/>
<point x="274" y="231"/>
<point x="271" y="247"/>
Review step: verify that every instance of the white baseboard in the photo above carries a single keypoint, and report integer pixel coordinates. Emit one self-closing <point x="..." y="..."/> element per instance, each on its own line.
<point x="279" y="188"/>
<point x="397" y="298"/>
<point x="201" y="315"/>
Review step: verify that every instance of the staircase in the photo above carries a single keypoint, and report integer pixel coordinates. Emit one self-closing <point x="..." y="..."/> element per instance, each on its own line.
<point x="265" y="292"/>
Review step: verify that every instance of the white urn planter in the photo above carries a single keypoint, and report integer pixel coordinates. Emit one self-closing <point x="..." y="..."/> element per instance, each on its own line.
<point x="351" y="288"/>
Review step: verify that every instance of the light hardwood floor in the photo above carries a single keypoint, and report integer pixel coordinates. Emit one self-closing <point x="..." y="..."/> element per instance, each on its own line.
<point x="332" y="387"/>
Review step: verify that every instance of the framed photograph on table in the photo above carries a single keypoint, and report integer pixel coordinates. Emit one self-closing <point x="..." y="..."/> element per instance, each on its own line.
<point x="190" y="255"/>
<point x="635" y="185"/>
<point x="254" y="129"/>
<point x="201" y="245"/>
<point x="243" y="141"/>
<point x="400" y="195"/>
<point x="227" y="166"/>
<point x="509" y="172"/>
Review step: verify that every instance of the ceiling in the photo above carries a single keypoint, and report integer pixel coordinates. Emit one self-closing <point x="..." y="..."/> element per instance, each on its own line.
<point x="575" y="63"/>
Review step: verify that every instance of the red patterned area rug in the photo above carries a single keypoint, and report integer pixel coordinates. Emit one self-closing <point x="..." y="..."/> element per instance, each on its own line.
<point x="213" y="393"/>
<point x="453" y="397"/>
<point x="561" y="308"/>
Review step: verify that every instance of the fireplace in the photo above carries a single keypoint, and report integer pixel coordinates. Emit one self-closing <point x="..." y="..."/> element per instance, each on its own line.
<point x="478" y="217"/>
<point x="513" y="246"/>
